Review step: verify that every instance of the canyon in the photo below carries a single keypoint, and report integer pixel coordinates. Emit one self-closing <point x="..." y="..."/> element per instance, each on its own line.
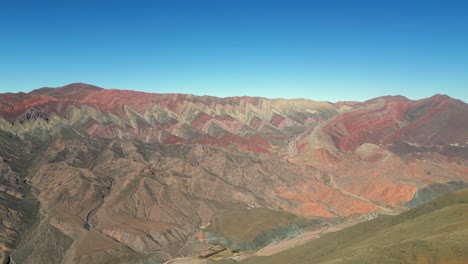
<point x="93" y="175"/>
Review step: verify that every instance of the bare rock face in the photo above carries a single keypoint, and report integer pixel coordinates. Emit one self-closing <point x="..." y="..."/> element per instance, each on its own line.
<point x="123" y="176"/>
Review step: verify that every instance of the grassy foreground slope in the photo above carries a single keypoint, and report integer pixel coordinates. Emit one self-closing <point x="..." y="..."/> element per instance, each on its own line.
<point x="436" y="232"/>
<point x="250" y="229"/>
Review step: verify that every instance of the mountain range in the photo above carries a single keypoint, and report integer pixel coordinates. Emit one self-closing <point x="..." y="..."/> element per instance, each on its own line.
<point x="93" y="175"/>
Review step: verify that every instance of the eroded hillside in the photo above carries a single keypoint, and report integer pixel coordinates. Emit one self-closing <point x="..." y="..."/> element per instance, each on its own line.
<point x="126" y="176"/>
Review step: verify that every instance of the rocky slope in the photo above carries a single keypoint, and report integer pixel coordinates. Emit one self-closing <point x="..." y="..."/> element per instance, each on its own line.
<point x="123" y="175"/>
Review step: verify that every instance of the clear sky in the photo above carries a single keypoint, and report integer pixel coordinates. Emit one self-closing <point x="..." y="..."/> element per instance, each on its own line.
<point x="322" y="50"/>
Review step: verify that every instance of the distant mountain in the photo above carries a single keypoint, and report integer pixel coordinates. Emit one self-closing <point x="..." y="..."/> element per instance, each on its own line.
<point x="124" y="176"/>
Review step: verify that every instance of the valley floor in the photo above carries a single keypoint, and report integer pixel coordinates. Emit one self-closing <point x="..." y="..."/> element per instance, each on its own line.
<point x="272" y="248"/>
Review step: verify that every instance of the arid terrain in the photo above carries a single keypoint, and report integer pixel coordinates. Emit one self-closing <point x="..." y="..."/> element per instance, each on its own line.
<point x="435" y="232"/>
<point x="93" y="175"/>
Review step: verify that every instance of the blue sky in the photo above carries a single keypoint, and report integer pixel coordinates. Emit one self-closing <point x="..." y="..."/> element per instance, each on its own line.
<point x="322" y="50"/>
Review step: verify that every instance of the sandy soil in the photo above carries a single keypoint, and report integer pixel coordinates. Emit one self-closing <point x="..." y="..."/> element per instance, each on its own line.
<point x="188" y="260"/>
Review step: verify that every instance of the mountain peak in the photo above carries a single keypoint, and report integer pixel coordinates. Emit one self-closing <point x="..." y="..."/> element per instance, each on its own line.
<point x="73" y="90"/>
<point x="441" y="97"/>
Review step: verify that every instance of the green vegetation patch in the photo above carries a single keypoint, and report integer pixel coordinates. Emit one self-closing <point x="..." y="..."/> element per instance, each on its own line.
<point x="244" y="225"/>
